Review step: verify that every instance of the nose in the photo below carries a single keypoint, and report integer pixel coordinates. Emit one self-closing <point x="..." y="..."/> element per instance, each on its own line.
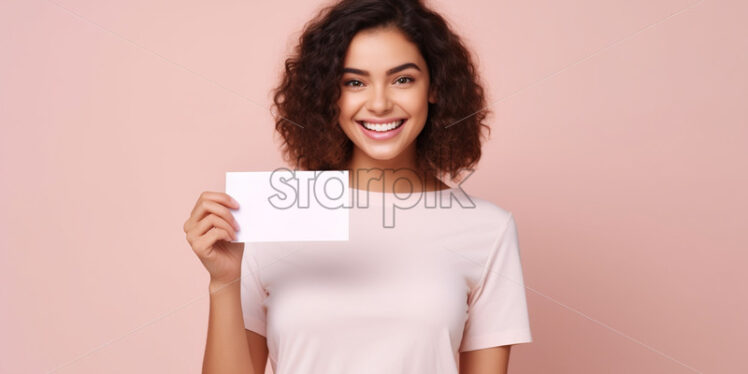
<point x="379" y="100"/>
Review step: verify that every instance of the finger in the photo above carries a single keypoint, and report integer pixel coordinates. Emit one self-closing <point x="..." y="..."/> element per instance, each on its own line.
<point x="207" y="241"/>
<point x="206" y="224"/>
<point x="211" y="221"/>
<point x="198" y="212"/>
<point x="209" y="206"/>
<point x="219" y="197"/>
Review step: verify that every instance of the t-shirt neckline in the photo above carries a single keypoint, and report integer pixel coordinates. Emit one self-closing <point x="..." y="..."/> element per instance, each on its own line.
<point x="359" y="191"/>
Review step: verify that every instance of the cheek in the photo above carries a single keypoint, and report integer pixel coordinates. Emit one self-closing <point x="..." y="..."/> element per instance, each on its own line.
<point x="415" y="102"/>
<point x="346" y="105"/>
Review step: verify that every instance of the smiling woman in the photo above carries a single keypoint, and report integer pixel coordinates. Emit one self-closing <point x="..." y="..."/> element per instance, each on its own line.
<point x="375" y="85"/>
<point x="383" y="113"/>
<point x="381" y="84"/>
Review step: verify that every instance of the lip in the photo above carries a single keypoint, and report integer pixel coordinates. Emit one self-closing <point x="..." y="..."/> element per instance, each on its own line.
<point x="382" y="135"/>
<point x="386" y="120"/>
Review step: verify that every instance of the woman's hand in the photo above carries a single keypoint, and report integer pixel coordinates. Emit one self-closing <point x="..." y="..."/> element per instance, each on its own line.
<point x="209" y="230"/>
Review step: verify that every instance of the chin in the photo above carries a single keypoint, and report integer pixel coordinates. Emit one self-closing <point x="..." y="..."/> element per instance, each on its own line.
<point x="381" y="155"/>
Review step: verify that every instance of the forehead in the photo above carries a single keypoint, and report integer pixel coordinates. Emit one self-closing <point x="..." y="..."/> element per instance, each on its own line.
<point x="380" y="49"/>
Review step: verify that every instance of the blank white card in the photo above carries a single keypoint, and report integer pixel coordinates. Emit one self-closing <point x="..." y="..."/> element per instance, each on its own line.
<point x="290" y="205"/>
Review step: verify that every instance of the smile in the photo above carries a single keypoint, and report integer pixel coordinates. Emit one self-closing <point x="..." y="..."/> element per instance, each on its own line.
<point x="382" y="131"/>
<point x="381" y="127"/>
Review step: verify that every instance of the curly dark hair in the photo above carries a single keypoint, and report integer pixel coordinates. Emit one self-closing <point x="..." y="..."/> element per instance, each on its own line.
<point x="306" y="113"/>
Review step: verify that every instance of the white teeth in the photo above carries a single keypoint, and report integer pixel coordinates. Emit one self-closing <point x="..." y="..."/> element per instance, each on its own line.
<point x="383" y="126"/>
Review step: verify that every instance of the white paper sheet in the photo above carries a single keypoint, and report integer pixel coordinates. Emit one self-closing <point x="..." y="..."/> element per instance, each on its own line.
<point x="290" y="205"/>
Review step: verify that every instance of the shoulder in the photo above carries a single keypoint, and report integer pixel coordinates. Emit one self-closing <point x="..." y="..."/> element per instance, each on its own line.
<point x="481" y="207"/>
<point x="489" y="207"/>
<point x="475" y="215"/>
<point x="500" y="218"/>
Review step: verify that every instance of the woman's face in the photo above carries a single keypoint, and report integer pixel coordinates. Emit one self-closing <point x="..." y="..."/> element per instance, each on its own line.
<point x="385" y="80"/>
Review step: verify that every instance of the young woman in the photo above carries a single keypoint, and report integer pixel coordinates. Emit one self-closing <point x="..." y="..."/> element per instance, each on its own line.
<point x="385" y="90"/>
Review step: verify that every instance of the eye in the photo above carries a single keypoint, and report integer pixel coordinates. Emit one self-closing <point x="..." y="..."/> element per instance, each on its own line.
<point x="408" y="79"/>
<point x="352" y="81"/>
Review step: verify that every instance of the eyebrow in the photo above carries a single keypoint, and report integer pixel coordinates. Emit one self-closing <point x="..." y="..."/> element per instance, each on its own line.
<point x="389" y="72"/>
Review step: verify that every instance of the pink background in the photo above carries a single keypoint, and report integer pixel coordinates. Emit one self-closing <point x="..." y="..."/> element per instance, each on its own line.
<point x="619" y="142"/>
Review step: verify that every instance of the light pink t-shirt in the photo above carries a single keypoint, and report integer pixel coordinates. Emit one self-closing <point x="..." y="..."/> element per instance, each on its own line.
<point x="408" y="291"/>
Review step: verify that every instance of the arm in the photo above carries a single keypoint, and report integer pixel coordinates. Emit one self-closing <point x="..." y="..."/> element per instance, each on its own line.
<point x="494" y="360"/>
<point x="258" y="349"/>
<point x="229" y="348"/>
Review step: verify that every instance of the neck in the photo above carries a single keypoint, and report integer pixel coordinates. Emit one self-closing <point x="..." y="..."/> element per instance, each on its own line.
<point x="394" y="175"/>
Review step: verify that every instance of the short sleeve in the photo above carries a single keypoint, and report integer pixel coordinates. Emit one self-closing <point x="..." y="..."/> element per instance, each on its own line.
<point x="252" y="295"/>
<point x="497" y="307"/>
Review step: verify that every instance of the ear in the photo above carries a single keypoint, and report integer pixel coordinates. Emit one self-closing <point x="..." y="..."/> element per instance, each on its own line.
<point x="432" y="96"/>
